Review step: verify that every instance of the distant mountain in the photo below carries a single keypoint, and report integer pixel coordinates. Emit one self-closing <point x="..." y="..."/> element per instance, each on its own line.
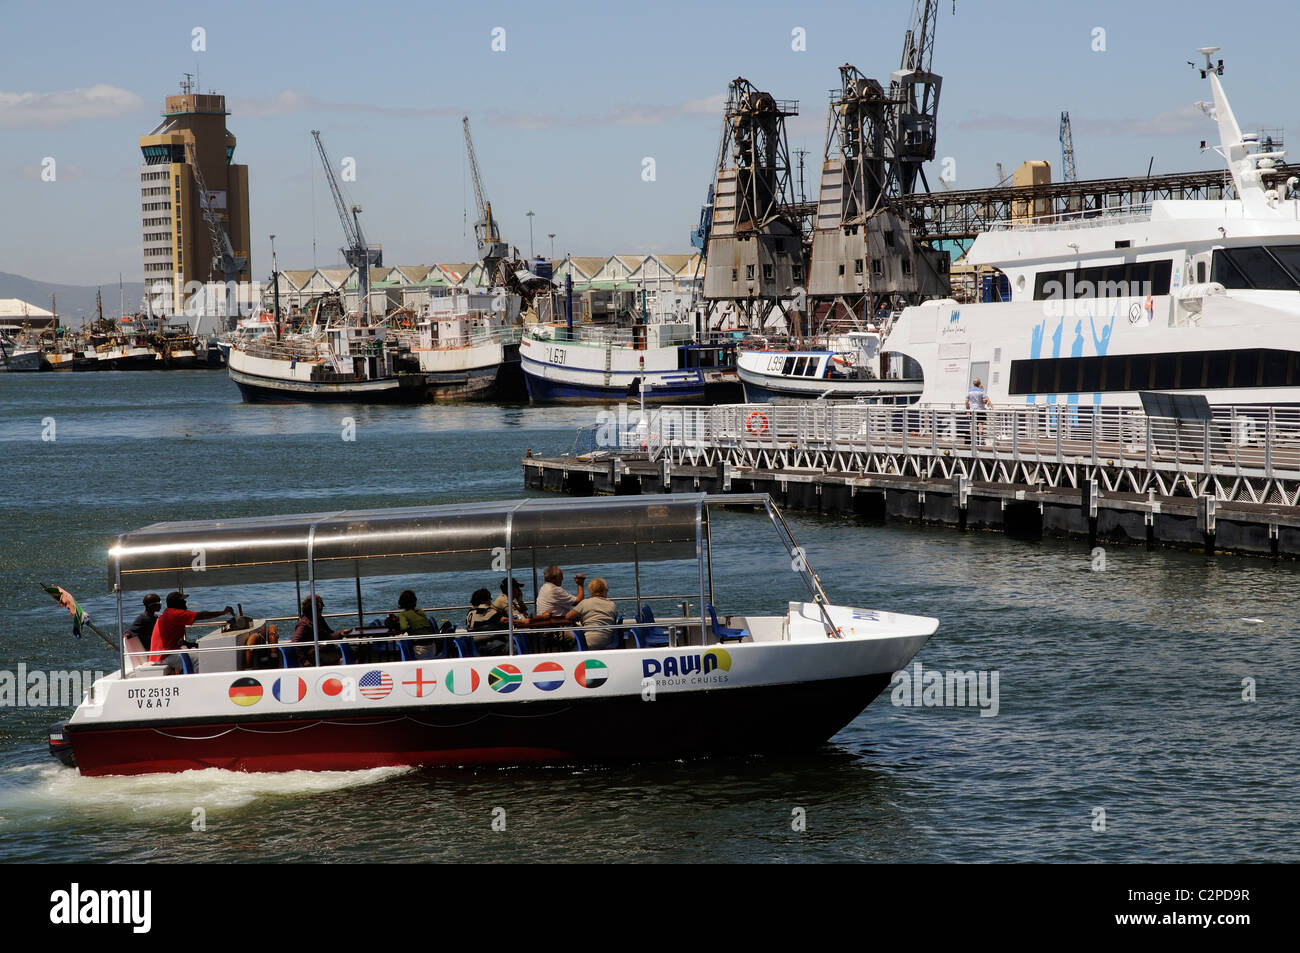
<point x="74" y="301"/>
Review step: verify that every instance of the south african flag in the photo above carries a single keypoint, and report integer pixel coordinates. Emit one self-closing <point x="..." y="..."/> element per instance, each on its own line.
<point x="505" y="678"/>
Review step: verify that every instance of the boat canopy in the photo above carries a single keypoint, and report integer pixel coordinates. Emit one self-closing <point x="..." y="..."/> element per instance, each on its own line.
<point x="415" y="540"/>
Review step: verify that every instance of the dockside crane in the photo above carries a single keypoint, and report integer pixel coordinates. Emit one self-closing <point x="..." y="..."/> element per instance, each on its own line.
<point x="491" y="248"/>
<point x="914" y="93"/>
<point x="224" y="259"/>
<point x="1067" y="150"/>
<point x="357" y="253"/>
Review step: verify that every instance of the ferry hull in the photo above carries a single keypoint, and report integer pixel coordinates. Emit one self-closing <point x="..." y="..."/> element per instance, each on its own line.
<point x="750" y="720"/>
<point x="544" y="391"/>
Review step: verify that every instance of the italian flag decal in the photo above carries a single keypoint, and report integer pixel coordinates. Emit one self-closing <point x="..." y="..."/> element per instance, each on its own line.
<point x="462" y="680"/>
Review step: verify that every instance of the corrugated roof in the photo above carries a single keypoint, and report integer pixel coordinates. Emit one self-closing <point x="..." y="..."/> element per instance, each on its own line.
<point x="17" y="307"/>
<point x="297" y="278"/>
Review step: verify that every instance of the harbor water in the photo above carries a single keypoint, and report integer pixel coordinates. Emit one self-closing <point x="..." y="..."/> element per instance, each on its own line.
<point x="1134" y="706"/>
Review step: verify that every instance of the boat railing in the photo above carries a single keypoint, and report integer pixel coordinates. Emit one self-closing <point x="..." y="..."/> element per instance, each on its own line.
<point x="1084" y="218"/>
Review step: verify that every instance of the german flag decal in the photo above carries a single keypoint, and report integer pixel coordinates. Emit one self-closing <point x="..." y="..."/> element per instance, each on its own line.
<point x="246" y="691"/>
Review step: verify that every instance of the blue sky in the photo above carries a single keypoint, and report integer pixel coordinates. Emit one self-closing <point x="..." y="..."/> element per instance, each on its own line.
<point x="563" y="117"/>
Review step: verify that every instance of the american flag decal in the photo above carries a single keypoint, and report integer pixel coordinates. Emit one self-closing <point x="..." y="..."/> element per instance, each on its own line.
<point x="375" y="684"/>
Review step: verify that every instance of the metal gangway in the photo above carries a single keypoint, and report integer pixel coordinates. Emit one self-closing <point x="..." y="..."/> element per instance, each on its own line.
<point x="1243" y="454"/>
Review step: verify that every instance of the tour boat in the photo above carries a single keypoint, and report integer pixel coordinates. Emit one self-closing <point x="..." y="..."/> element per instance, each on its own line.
<point x="465" y="349"/>
<point x="1199" y="297"/>
<point x="690" y="681"/>
<point x="841" y="368"/>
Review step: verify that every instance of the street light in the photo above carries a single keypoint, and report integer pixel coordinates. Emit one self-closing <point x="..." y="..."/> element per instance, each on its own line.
<point x="551" y="236"/>
<point x="530" y="234"/>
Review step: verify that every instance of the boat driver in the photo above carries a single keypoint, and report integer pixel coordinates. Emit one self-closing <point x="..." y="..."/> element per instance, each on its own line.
<point x="169" y="630"/>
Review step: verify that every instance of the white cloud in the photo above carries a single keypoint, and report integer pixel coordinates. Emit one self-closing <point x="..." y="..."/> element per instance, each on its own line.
<point x="66" y="106"/>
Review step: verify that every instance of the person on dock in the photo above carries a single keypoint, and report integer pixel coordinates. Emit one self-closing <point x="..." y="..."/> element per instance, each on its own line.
<point x="977" y="401"/>
<point x="169" y="630"/>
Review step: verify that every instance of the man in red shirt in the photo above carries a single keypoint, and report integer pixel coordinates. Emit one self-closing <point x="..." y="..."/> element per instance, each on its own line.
<point x="169" y="630"/>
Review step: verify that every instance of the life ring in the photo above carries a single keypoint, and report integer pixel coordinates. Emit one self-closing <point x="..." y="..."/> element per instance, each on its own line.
<point x="762" y="423"/>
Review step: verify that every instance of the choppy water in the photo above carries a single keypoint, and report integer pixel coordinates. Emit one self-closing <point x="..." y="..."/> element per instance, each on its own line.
<point x="1118" y="691"/>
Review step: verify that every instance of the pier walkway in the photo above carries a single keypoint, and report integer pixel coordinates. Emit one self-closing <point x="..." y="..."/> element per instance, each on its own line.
<point x="1103" y="474"/>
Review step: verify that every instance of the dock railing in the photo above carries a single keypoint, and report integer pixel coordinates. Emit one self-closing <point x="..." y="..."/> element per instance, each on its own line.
<point x="1244" y="453"/>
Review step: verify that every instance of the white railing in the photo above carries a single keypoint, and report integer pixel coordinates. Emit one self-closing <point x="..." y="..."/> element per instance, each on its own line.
<point x="1261" y="441"/>
<point x="1086" y="218"/>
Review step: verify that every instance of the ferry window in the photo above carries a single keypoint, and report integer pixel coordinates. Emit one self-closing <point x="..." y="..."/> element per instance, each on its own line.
<point x="1225" y="272"/>
<point x="1166" y="371"/>
<point x="1216" y="371"/>
<point x="1288" y="256"/>
<point x="1091" y="377"/>
<point x="789" y="365"/>
<point x="1275" y="369"/>
<point x="813" y="364"/>
<point x="1255" y="268"/>
<point x="1042" y="279"/>
<point x="799" y="366"/>
<point x="1200" y="272"/>
<point x="1139" y="372"/>
<point x="1245" y="368"/>
<point x="1190" y="369"/>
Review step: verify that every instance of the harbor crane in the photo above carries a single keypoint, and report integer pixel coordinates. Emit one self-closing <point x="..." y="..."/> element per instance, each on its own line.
<point x="358" y="253"/>
<point x="224" y="259"/>
<point x="491" y="248"/>
<point x="1067" y="150"/>
<point x="914" y="93"/>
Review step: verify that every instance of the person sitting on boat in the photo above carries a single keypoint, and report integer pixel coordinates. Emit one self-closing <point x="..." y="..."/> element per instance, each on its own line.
<point x="552" y="601"/>
<point x="142" y="627"/>
<point x="169" y="630"/>
<point x="595" y="610"/>
<point x="305" y="635"/>
<point x="412" y="621"/>
<point x="515" y="599"/>
<point x="485" y="617"/>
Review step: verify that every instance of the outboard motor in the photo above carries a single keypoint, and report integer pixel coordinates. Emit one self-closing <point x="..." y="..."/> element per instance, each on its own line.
<point x="60" y="747"/>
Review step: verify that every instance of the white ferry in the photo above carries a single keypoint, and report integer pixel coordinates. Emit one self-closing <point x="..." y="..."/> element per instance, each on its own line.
<point x="691" y="681"/>
<point x="1196" y="297"/>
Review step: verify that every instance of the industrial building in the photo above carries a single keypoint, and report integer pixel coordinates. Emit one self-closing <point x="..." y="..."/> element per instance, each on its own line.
<point x="193" y="200"/>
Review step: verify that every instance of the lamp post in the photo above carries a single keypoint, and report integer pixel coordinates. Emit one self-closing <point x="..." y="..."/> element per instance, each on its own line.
<point x="551" y="236"/>
<point x="530" y="234"/>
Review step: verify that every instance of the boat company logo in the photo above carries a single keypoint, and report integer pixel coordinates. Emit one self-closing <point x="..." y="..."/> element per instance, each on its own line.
<point x="420" y="684"/>
<point x="922" y="688"/>
<point x="592" y="673"/>
<point x="289" y="689"/>
<point x="245" y="691"/>
<point x="76" y="906"/>
<point x="462" y="680"/>
<point x="375" y="684"/>
<point x="505" y="678"/>
<point x="711" y="667"/>
<point x="954" y="325"/>
<point x="36" y="688"/>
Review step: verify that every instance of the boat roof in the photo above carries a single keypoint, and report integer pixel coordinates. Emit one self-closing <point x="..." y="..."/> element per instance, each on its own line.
<point x="410" y="540"/>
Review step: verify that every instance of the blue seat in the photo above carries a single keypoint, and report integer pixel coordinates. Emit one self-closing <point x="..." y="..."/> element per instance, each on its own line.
<point x="288" y="656"/>
<point x="654" y="637"/>
<point x="466" y="646"/>
<point x="187" y="664"/>
<point x="404" y="650"/>
<point x="349" y="657"/>
<point x="723" y="633"/>
<point x="523" y="642"/>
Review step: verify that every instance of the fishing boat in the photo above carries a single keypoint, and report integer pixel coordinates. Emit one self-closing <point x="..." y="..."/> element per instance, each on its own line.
<point x="605" y="363"/>
<point x="19" y="355"/>
<point x="680" y="678"/>
<point x="465" y="349"/>
<point x="1198" y="297"/>
<point x="846" y="367"/>
<point x="345" y="362"/>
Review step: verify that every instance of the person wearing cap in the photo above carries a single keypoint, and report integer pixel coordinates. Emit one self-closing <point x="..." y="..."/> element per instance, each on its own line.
<point x="142" y="627"/>
<point x="503" y="602"/>
<point x="169" y="629"/>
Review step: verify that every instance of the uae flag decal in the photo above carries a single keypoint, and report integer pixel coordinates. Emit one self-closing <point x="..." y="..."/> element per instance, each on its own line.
<point x="591" y="674"/>
<point x="246" y="691"/>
